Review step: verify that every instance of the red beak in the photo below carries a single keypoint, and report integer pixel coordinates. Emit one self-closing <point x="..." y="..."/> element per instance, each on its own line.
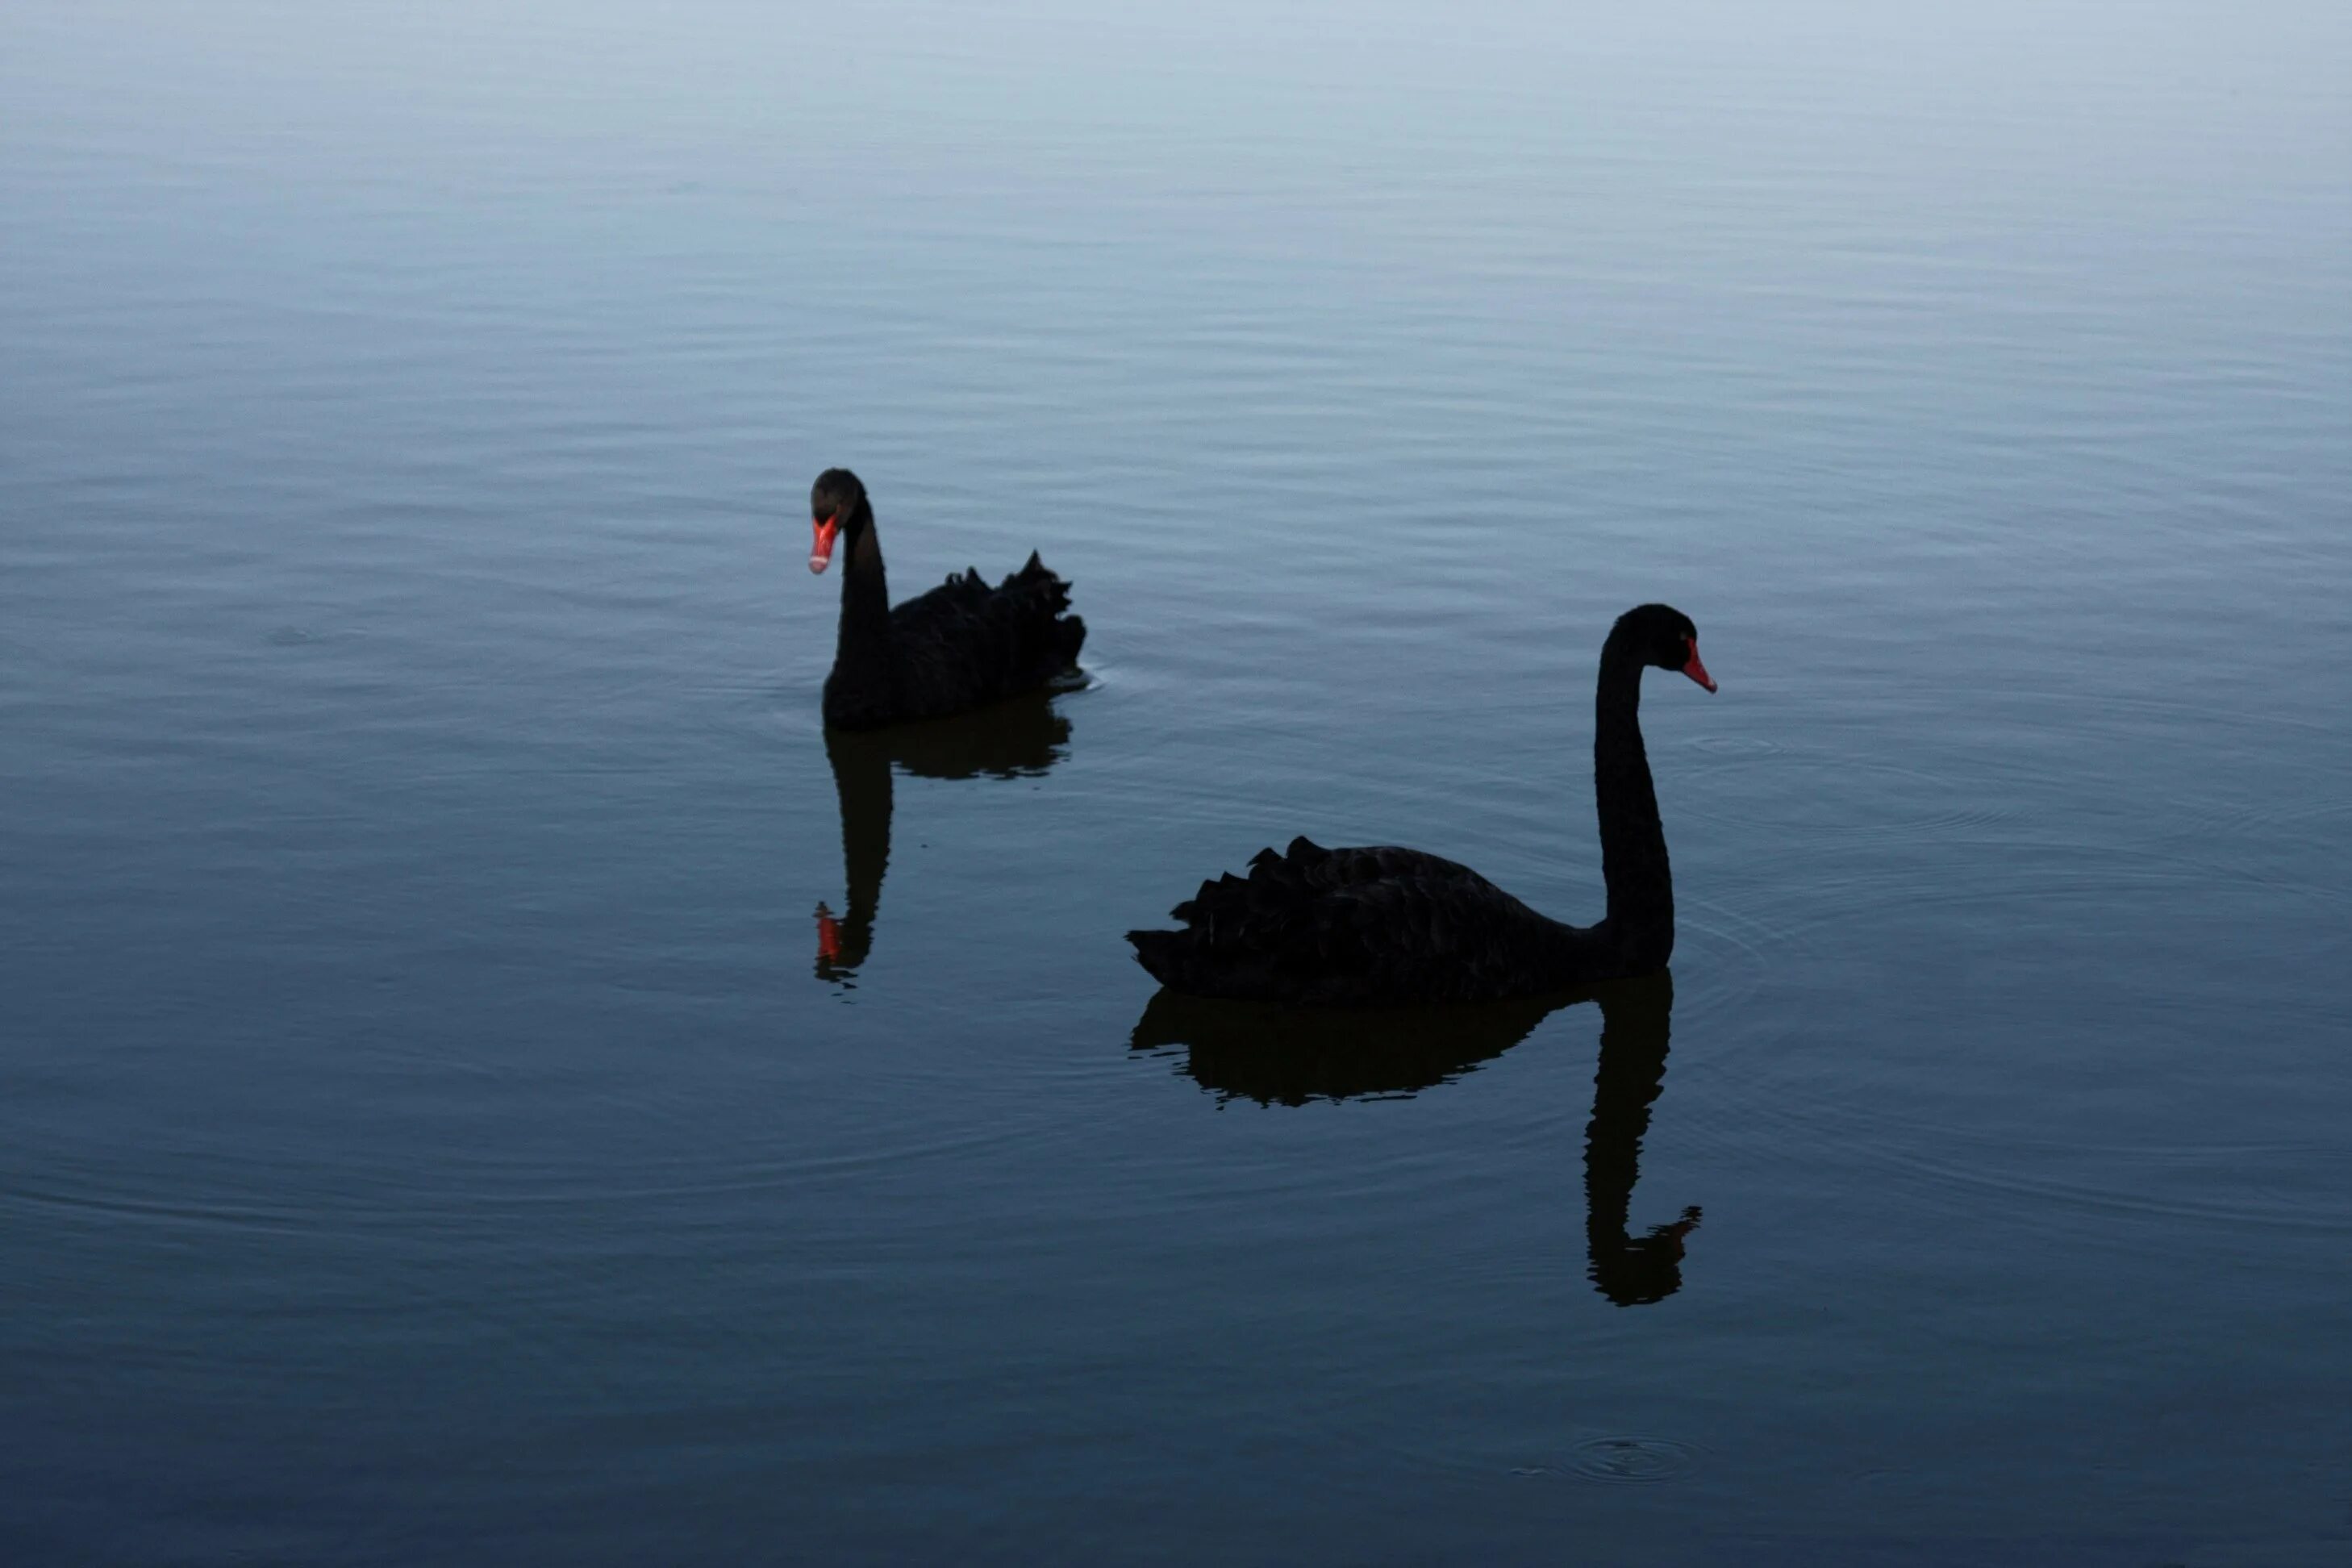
<point x="827" y="528"/>
<point x="1694" y="668"/>
<point x="828" y="936"/>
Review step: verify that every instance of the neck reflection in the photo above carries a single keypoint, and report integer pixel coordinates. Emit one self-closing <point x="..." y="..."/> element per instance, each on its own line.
<point x="1278" y="1056"/>
<point x="1636" y="1021"/>
<point x="1022" y="738"/>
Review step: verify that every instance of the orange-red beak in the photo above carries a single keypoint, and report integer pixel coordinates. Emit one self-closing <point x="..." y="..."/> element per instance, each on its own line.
<point x="828" y="529"/>
<point x="1694" y="668"/>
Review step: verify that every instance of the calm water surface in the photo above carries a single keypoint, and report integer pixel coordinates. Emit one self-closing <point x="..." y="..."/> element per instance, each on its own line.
<point x="428" y="1129"/>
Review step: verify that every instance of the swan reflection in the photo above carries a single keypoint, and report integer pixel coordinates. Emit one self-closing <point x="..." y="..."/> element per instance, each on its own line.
<point x="1017" y="739"/>
<point x="1636" y="1019"/>
<point x="1278" y="1056"/>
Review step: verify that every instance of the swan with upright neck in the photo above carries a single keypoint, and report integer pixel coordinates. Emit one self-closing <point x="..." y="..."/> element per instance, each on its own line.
<point x="1382" y="925"/>
<point x="960" y="646"/>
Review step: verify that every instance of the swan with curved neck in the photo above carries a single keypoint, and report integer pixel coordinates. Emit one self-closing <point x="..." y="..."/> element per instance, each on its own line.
<point x="1384" y="925"/>
<point x="960" y="646"/>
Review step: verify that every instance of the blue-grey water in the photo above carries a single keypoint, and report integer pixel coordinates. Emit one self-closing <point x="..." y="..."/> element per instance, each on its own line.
<point x="429" y="1131"/>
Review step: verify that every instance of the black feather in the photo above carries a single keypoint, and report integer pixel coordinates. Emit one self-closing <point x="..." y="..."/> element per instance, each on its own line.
<point x="961" y="645"/>
<point x="1383" y="926"/>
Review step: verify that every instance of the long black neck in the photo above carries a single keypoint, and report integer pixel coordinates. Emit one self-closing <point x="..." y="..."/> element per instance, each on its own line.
<point x="862" y="655"/>
<point x="1641" y="918"/>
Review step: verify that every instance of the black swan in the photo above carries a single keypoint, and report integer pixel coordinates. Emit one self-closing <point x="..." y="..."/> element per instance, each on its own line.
<point x="959" y="646"/>
<point x="1019" y="739"/>
<point x="1383" y="926"/>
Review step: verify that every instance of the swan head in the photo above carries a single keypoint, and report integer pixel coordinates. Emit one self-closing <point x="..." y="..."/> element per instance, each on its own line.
<point x="1663" y="636"/>
<point x="836" y="501"/>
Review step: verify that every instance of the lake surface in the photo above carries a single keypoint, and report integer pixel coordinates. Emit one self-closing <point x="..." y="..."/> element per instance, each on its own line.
<point x="429" y="1130"/>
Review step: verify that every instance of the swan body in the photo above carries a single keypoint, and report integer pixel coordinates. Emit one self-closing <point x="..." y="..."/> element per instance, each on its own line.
<point x="961" y="645"/>
<point x="1362" y="926"/>
<point x="1386" y="926"/>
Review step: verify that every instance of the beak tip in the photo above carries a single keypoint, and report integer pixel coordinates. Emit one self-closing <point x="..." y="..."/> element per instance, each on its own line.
<point x="824" y="530"/>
